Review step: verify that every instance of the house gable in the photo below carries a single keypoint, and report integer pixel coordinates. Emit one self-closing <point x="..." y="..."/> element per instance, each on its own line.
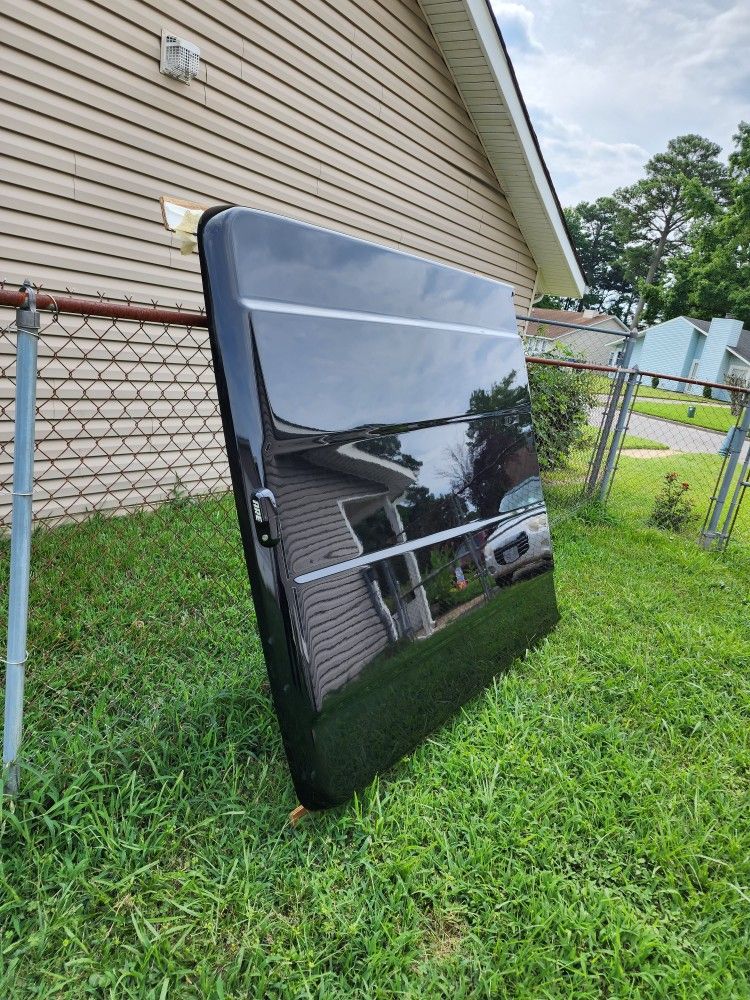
<point x="670" y="347"/>
<point x="341" y="114"/>
<point x="722" y="334"/>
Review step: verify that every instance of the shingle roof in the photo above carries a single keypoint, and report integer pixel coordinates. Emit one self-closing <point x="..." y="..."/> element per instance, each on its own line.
<point x="702" y="324"/>
<point x="742" y="347"/>
<point x="546" y="318"/>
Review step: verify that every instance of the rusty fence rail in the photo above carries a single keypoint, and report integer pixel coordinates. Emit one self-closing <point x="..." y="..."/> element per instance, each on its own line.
<point x="131" y="482"/>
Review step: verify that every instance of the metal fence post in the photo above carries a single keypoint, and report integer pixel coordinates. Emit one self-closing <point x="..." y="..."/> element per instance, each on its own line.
<point x="27" y="326"/>
<point x="725" y="532"/>
<point x="609" y="416"/>
<point x="622" y="424"/>
<point x="710" y="532"/>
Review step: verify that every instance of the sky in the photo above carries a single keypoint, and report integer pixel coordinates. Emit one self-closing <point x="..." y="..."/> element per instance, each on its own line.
<point x="608" y="83"/>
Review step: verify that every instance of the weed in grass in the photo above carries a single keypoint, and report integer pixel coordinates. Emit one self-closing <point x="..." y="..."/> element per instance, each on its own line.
<point x="673" y="509"/>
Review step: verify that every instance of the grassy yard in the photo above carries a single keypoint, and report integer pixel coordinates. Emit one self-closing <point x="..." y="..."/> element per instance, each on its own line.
<point x="634" y="441"/>
<point x="714" y="418"/>
<point x="630" y="441"/>
<point x="580" y="831"/>
<point x="646" y="390"/>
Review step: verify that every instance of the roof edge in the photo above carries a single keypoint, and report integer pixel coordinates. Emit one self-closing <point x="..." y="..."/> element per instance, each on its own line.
<point x="535" y="140"/>
<point x="505" y="130"/>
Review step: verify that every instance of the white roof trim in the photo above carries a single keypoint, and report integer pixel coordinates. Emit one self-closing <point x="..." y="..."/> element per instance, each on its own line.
<point x="609" y="319"/>
<point x="744" y="360"/>
<point x="468" y="38"/>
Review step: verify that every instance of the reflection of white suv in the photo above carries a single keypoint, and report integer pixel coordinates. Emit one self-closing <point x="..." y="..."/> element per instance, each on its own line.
<point x="519" y="546"/>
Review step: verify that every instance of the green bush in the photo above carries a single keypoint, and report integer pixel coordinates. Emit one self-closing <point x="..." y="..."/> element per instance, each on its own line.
<point x="673" y="509"/>
<point x="707" y="392"/>
<point x="654" y="381"/>
<point x="560" y="402"/>
<point x="441" y="582"/>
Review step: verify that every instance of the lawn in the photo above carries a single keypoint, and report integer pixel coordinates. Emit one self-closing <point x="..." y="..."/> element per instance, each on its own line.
<point x="637" y="483"/>
<point x="633" y="441"/>
<point x="580" y="831"/>
<point x="714" y="418"/>
<point x="630" y="441"/>
<point x="646" y="390"/>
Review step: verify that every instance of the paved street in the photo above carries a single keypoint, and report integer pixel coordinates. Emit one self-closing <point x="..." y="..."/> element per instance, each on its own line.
<point x="678" y="437"/>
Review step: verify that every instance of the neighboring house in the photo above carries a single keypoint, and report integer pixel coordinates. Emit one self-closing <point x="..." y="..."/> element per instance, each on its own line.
<point x="397" y="121"/>
<point x="695" y="348"/>
<point x="596" y="344"/>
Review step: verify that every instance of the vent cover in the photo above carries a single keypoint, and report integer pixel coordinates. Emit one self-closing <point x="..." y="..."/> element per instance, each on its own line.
<point x="180" y="59"/>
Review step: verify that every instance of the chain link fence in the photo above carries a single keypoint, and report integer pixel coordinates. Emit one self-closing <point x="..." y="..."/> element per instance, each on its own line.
<point x="136" y="547"/>
<point x="683" y="443"/>
<point x="128" y="423"/>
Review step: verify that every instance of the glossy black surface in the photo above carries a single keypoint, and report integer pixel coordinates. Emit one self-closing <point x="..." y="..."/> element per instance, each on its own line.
<point x="377" y="420"/>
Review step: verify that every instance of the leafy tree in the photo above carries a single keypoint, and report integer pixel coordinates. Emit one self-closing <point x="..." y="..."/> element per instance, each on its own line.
<point x="713" y="277"/>
<point x="683" y="186"/>
<point x="477" y="467"/>
<point x="597" y="232"/>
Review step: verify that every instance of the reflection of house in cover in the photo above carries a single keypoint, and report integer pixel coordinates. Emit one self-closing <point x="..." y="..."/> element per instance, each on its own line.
<point x="351" y="497"/>
<point x="323" y="494"/>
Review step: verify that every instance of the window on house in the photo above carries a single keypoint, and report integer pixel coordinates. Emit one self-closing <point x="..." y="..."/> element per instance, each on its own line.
<point x="538" y="345"/>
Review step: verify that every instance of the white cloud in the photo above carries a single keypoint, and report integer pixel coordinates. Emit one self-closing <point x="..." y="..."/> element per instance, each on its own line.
<point x="517" y="25"/>
<point x="584" y="166"/>
<point x="619" y="78"/>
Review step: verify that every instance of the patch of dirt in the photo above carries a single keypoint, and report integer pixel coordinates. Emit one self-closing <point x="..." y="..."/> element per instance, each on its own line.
<point x="444" y="937"/>
<point x="651" y="452"/>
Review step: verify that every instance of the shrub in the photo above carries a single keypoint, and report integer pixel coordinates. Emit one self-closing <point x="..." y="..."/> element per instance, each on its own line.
<point x="673" y="509"/>
<point x="560" y="402"/>
<point x="654" y="381"/>
<point x="739" y="395"/>
<point x="707" y="393"/>
<point x="441" y="581"/>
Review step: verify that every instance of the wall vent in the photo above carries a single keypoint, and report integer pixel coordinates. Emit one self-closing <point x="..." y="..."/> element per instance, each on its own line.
<point x="180" y="59"/>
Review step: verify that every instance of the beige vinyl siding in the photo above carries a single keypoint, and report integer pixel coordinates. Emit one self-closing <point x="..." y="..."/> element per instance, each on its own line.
<point x="341" y="113"/>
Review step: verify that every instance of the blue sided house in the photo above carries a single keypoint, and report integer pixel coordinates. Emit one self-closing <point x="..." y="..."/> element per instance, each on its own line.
<point x="695" y="348"/>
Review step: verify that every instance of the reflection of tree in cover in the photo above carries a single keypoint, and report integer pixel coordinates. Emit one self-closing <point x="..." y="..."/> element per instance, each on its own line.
<point x="419" y="507"/>
<point x="421" y="512"/>
<point x="496" y="455"/>
<point x="389" y="446"/>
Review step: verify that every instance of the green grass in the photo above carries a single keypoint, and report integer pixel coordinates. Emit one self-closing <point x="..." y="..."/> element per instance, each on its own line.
<point x="579" y="831"/>
<point x="714" y="418"/>
<point x="637" y="483"/>
<point x="632" y="441"/>
<point x="645" y="390"/>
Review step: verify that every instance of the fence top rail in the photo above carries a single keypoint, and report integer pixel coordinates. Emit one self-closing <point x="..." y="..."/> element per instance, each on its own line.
<point x="138" y="313"/>
<point x="569" y="363"/>
<point x="690" y="381"/>
<point x="585" y="366"/>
